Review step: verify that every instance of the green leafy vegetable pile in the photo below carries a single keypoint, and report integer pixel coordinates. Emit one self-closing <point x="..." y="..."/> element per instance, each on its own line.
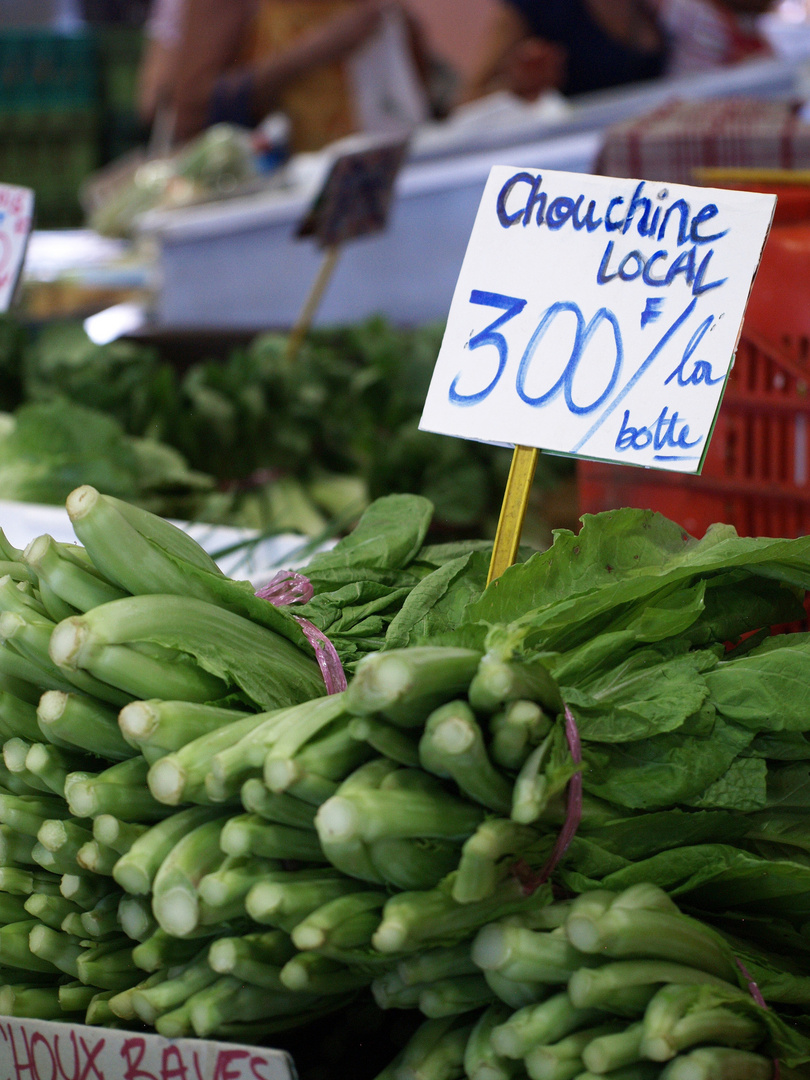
<point x="47" y="450"/>
<point x="216" y="163"/>
<point x="192" y="831"/>
<point x="288" y="445"/>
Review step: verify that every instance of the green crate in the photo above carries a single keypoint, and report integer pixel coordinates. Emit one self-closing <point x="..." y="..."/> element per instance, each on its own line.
<point x="52" y="153"/>
<point x="119" y="50"/>
<point x="41" y="70"/>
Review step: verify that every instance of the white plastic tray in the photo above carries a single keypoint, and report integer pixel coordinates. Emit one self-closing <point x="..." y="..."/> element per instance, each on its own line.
<point x="237" y="265"/>
<point x="257" y="562"/>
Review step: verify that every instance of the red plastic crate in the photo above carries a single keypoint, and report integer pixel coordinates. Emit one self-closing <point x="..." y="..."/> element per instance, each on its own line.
<point x="757" y="471"/>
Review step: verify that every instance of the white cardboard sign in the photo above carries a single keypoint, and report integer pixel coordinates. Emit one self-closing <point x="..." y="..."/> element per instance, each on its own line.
<point x="597" y="316"/>
<point x="43" y="1050"/>
<point x="16" y="220"/>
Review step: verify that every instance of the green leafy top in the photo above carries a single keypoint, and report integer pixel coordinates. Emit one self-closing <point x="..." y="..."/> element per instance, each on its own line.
<point x="620" y="557"/>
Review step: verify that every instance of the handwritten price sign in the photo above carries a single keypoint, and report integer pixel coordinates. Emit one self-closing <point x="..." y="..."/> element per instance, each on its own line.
<point x="598" y="317"/>
<point x="16" y="219"/>
<point x="42" y="1050"/>
<point x="356" y="196"/>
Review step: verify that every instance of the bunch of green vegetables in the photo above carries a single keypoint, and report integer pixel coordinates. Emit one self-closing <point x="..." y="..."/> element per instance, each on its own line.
<point x="83" y="634"/>
<point x="47" y="449"/>
<point x="126" y="380"/>
<point x="609" y="984"/>
<point x="612" y="715"/>
<point x="217" y="162"/>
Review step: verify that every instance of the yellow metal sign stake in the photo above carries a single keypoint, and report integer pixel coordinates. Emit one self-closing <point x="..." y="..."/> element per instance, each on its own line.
<point x="304" y="321"/>
<point x="513" y="511"/>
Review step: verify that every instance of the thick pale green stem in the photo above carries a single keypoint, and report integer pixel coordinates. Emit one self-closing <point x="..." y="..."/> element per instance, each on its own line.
<point x="159" y="727"/>
<point x="454" y="996"/>
<point x="346" y="922"/>
<point x="528" y="955"/>
<point x="71" y="577"/>
<point x="281" y="808"/>
<point x="287" y="897"/>
<point x="387" y="739"/>
<point x="136" y="870"/>
<point x="81" y="721"/>
<point x="175" y="901"/>
<point x="641" y="933"/>
<point x="597" y="987"/>
<point x="453" y="746"/>
<point x="480" y="1060"/>
<point x="719" y="1063"/>
<point x="109" y="966"/>
<point x="163" y="950"/>
<point x="151" y="1002"/>
<point x="310" y="973"/>
<point x="516" y="731"/>
<point x="180" y="776"/>
<point x="614" y="1051"/>
<point x="57" y="948"/>
<point x="136" y="918"/>
<point x="120" y="791"/>
<point x="249" y="834"/>
<point x="116" y="834"/>
<point x="415" y="920"/>
<point x="535" y="1025"/>
<point x="404" y="685"/>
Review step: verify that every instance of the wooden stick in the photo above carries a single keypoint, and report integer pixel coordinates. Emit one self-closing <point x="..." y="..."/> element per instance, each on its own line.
<point x="304" y="322"/>
<point x="513" y="510"/>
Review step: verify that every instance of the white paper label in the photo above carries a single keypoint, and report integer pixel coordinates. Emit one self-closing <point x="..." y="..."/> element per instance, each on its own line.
<point x="16" y="218"/>
<point x="41" y="1050"/>
<point x="597" y="316"/>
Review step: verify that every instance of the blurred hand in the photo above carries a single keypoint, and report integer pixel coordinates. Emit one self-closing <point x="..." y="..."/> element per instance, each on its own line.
<point x="534" y="66"/>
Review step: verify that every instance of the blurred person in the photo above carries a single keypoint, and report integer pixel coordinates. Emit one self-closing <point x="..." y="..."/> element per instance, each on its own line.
<point x="238" y="60"/>
<point x="574" y="46"/>
<point x="705" y="34"/>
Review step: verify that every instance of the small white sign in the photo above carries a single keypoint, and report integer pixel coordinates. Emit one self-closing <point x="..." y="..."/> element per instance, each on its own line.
<point x="114" y="322"/>
<point x="597" y="316"/>
<point x="16" y="220"/>
<point x="54" y="1051"/>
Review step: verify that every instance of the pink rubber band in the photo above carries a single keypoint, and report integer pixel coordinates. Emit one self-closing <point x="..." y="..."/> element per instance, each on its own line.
<point x="289" y="587"/>
<point x="756" y="994"/>
<point x="530" y="881"/>
<point x="326" y="654"/>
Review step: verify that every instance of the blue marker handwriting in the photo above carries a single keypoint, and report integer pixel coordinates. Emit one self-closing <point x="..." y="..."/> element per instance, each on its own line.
<point x="700" y="370"/>
<point x="635" y="264"/>
<point x="668" y="435"/>
<point x="564" y="210"/>
<point x="522" y="202"/>
<point x="652" y="312"/>
<point x="666" y="432"/>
